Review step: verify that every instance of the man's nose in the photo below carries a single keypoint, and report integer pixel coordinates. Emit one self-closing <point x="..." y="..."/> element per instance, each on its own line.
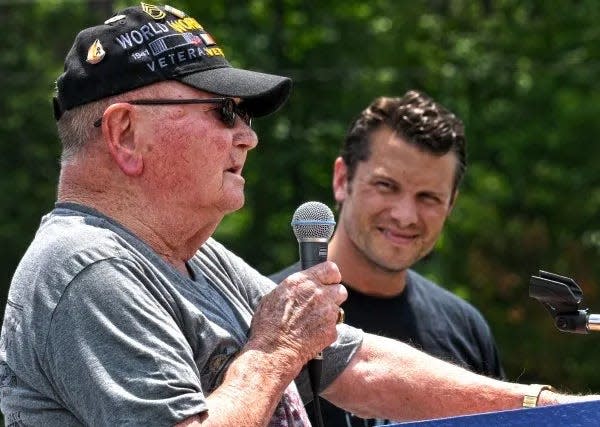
<point x="404" y="210"/>
<point x="246" y="139"/>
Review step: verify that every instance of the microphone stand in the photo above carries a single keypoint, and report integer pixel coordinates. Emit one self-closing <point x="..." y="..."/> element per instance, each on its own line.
<point x="562" y="297"/>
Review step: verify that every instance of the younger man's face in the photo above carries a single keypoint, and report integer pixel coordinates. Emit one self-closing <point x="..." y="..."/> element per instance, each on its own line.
<point x="395" y="207"/>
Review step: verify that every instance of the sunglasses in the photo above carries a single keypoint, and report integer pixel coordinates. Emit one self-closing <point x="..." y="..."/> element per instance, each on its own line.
<point x="228" y="109"/>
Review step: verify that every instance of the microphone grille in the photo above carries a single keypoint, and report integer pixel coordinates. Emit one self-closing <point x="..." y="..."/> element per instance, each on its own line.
<point x="313" y="220"/>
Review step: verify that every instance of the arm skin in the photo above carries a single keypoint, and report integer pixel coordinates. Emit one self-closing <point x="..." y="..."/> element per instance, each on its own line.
<point x="291" y="325"/>
<point x="251" y="389"/>
<point x="387" y="378"/>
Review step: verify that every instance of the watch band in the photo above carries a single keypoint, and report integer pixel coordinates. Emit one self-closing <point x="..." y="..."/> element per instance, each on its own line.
<point x="530" y="400"/>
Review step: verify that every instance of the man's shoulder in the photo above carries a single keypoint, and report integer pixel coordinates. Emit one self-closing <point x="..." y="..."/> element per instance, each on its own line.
<point x="439" y="296"/>
<point x="71" y="228"/>
<point x="282" y="274"/>
<point x="65" y="245"/>
<point x="61" y="238"/>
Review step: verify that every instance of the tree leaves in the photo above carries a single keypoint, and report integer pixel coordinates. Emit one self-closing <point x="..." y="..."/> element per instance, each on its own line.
<point x="521" y="75"/>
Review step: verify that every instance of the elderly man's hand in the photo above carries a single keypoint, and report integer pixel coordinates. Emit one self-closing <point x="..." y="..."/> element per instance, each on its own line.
<point x="298" y="317"/>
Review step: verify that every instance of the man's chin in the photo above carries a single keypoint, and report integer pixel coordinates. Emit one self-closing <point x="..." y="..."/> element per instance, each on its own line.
<point x="234" y="203"/>
<point x="391" y="265"/>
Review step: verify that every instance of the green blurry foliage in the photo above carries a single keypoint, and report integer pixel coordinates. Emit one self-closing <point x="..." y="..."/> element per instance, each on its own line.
<point x="521" y="75"/>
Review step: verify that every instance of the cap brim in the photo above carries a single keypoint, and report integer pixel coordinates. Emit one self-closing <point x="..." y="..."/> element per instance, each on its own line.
<point x="262" y="93"/>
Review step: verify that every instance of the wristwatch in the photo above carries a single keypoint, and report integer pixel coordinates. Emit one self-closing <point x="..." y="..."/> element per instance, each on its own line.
<point x="530" y="400"/>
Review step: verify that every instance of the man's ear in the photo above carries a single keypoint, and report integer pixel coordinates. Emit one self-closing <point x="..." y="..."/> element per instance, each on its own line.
<point x="340" y="180"/>
<point x="119" y="135"/>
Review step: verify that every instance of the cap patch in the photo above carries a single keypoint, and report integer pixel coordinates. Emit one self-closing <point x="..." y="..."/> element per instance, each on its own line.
<point x="153" y="11"/>
<point x="114" y="19"/>
<point x="178" y="13"/>
<point x="207" y="39"/>
<point x="168" y="45"/>
<point x="95" y="53"/>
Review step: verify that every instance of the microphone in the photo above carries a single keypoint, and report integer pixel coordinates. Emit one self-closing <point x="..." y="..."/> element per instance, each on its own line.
<point x="313" y="226"/>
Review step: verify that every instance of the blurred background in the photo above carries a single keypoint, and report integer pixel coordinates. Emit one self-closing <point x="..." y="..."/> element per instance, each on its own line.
<point x="523" y="76"/>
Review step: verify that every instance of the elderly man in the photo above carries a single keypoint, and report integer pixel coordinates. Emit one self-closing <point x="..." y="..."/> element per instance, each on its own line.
<point x="124" y="311"/>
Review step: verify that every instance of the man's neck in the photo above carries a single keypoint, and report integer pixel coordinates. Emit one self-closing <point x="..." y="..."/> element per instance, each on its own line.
<point x="172" y="236"/>
<point x="139" y="203"/>
<point x="361" y="274"/>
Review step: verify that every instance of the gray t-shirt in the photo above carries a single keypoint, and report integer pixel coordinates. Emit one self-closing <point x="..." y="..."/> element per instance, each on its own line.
<point x="100" y="330"/>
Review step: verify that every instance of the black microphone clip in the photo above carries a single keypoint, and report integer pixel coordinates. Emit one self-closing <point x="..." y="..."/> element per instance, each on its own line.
<point x="562" y="297"/>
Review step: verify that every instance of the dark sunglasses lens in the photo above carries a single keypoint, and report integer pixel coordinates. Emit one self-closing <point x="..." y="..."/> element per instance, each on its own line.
<point x="244" y="114"/>
<point x="227" y="113"/>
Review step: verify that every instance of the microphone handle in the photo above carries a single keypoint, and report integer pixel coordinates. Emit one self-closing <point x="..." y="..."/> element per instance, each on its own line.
<point x="313" y="252"/>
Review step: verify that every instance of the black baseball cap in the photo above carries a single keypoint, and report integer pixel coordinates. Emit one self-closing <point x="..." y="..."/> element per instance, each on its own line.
<point x="146" y="44"/>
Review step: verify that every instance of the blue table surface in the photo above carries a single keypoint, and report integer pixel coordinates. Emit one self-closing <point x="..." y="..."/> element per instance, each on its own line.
<point x="572" y="415"/>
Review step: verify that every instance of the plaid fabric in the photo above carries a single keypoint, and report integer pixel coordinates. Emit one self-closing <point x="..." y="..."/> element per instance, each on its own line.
<point x="290" y="411"/>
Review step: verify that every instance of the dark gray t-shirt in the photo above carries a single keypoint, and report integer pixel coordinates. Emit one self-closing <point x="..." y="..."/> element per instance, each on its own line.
<point x="99" y="330"/>
<point x="424" y="315"/>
